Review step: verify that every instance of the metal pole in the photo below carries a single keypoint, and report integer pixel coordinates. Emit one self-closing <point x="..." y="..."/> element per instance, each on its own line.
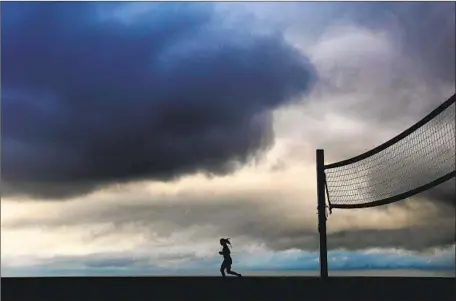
<point x="322" y="213"/>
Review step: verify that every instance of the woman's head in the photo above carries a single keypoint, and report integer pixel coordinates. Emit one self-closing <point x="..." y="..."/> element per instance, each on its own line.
<point x="224" y="241"/>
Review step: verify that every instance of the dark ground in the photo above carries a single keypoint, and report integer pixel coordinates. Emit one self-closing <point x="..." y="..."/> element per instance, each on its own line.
<point x="215" y="289"/>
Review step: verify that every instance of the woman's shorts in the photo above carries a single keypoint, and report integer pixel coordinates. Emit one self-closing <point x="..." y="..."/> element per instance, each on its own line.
<point x="227" y="263"/>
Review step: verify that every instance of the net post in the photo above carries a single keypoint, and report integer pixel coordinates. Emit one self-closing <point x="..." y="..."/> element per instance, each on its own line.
<point x="322" y="213"/>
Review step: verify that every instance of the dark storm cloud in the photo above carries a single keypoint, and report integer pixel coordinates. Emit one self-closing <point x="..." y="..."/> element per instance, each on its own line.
<point x="88" y="99"/>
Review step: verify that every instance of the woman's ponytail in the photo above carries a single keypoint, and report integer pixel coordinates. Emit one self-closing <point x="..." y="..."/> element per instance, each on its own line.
<point x="226" y="240"/>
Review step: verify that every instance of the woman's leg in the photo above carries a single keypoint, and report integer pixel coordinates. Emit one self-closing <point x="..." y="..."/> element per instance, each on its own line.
<point x="229" y="271"/>
<point x="222" y="269"/>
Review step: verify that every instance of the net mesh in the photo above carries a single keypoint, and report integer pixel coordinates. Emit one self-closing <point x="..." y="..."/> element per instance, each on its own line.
<point x="424" y="157"/>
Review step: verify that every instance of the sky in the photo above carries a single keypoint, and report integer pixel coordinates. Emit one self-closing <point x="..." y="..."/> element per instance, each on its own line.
<point x="136" y="135"/>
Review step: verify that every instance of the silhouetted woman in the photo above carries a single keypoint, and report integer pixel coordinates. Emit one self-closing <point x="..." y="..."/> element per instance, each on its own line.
<point x="227" y="261"/>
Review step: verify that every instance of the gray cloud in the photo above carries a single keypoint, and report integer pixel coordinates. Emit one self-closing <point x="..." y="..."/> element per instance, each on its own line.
<point x="261" y="218"/>
<point x="444" y="193"/>
<point x="411" y="238"/>
<point x="425" y="29"/>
